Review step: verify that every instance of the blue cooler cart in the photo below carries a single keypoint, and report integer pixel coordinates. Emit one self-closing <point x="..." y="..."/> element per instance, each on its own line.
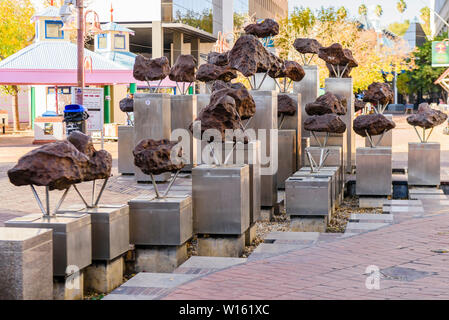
<point x="75" y="117"/>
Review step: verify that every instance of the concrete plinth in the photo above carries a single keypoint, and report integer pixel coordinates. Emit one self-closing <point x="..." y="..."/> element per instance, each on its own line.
<point x="250" y="235"/>
<point x="344" y="87"/>
<point x="286" y="155"/>
<point x="183" y="113"/>
<point x="221" y="246"/>
<point x="161" y="222"/>
<point x="110" y="230"/>
<point x="266" y="118"/>
<point x="152" y="120"/>
<point x="26" y="263"/>
<point x="104" y="276"/>
<point x="308" y="88"/>
<point x="374" y="172"/>
<point x="367" y="202"/>
<point x="295" y="123"/>
<point x="72" y="239"/>
<point x="159" y="258"/>
<point x="424" y="164"/>
<point x="70" y="287"/>
<point x="125" y="150"/>
<point x="221" y="199"/>
<point x="308" y="224"/>
<point x="386" y="141"/>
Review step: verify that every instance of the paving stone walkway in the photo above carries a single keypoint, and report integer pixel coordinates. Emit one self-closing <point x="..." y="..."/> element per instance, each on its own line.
<point x="408" y="250"/>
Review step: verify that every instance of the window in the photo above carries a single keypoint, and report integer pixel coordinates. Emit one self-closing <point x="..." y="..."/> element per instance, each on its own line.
<point x="119" y="41"/>
<point x="53" y="30"/>
<point x="102" y="41"/>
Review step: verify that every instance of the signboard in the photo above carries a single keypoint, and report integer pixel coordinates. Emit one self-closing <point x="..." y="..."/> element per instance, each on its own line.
<point x="440" y="53"/>
<point x="93" y="102"/>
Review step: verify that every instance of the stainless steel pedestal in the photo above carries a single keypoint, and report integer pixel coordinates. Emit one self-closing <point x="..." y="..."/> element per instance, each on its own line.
<point x="221" y="196"/>
<point x="305" y="143"/>
<point x="286" y="156"/>
<point x="248" y="154"/>
<point x="72" y="238"/>
<point x="374" y="172"/>
<point x="424" y="164"/>
<point x="335" y="140"/>
<point x="125" y="150"/>
<point x="340" y="183"/>
<point x="266" y="119"/>
<point x="152" y="120"/>
<point x="160" y="222"/>
<point x="344" y="87"/>
<point x="387" y="140"/>
<point x="308" y="196"/>
<point x="308" y="88"/>
<point x="110" y="230"/>
<point x="202" y="100"/>
<point x="183" y="113"/>
<point x="335" y="181"/>
<point x="295" y="123"/>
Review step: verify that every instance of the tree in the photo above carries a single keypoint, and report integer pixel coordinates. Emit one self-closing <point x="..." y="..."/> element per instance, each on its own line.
<point x="363" y="10"/>
<point x="401" y="6"/>
<point x="399" y="28"/>
<point x="379" y="11"/>
<point x="420" y="81"/>
<point x="16" y="32"/>
<point x="425" y="17"/>
<point x="327" y="28"/>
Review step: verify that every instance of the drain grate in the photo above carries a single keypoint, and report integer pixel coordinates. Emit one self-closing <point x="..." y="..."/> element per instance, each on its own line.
<point x="404" y="274"/>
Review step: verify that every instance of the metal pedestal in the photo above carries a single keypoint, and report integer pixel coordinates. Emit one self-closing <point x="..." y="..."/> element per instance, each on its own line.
<point x="72" y="239"/>
<point x="202" y="100"/>
<point x="152" y="120"/>
<point x="305" y="143"/>
<point x="248" y="154"/>
<point x="286" y="156"/>
<point x="160" y="222"/>
<point x="374" y="172"/>
<point x="221" y="199"/>
<point x="344" y="87"/>
<point x="266" y="118"/>
<point x="125" y="150"/>
<point x="335" y="180"/>
<point x="424" y="164"/>
<point x="308" y="88"/>
<point x="335" y="140"/>
<point x="183" y="113"/>
<point x="340" y="182"/>
<point x="110" y="230"/>
<point x="26" y="264"/>
<point x="308" y="196"/>
<point x="387" y="140"/>
<point x="295" y="123"/>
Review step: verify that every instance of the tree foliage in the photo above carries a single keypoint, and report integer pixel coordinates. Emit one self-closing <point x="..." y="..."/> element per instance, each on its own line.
<point x="401" y="6"/>
<point x="399" y="28"/>
<point x="328" y="27"/>
<point x="379" y="11"/>
<point x="422" y="78"/>
<point x="363" y="10"/>
<point x="425" y="17"/>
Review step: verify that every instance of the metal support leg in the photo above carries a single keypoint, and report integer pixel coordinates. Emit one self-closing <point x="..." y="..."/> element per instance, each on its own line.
<point x="158" y="195"/>
<point x="171" y="183"/>
<point x="39" y="202"/>
<point x="81" y="196"/>
<point x="62" y="200"/>
<point x="101" y="192"/>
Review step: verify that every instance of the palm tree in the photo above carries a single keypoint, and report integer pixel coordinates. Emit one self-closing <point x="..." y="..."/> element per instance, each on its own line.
<point x="363" y="10"/>
<point x="379" y="11"/>
<point x="401" y="6"/>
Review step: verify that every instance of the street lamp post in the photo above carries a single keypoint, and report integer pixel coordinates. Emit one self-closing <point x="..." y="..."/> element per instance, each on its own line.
<point x="80" y="45"/>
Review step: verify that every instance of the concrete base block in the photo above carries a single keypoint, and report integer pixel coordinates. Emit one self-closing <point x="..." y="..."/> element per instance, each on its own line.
<point x="372" y="202"/>
<point x="225" y="246"/>
<point x="69" y="288"/>
<point x="308" y="224"/>
<point x="160" y="259"/>
<point x="250" y="235"/>
<point x="26" y="263"/>
<point x="104" y="276"/>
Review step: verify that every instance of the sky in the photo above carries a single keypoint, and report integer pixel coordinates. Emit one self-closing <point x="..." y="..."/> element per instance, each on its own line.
<point x="389" y="7"/>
